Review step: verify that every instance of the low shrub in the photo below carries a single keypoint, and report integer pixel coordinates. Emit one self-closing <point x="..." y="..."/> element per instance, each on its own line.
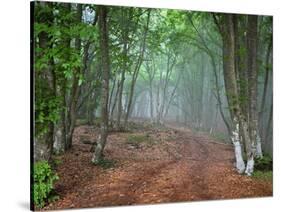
<point x="264" y="163"/>
<point x="44" y="178"/>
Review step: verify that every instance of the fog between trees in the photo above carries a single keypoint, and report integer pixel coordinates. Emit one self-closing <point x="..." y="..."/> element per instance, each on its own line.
<point x="207" y="72"/>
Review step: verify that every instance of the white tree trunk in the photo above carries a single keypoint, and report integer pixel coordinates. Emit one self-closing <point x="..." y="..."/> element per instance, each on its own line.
<point x="240" y="165"/>
<point x="58" y="141"/>
<point x="250" y="166"/>
<point x="259" y="149"/>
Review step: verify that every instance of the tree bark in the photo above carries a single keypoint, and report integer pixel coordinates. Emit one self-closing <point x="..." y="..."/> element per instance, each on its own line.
<point x="136" y="71"/>
<point x="105" y="66"/>
<point x="267" y="68"/>
<point x="60" y="130"/>
<point x="74" y="88"/>
<point x="252" y="76"/>
<point x="44" y="87"/>
<point x="232" y="88"/>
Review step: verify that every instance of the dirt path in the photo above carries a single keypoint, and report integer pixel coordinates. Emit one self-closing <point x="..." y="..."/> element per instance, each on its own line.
<point x="178" y="166"/>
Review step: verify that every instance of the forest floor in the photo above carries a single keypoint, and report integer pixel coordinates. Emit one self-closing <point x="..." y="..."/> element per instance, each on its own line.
<point x="149" y="165"/>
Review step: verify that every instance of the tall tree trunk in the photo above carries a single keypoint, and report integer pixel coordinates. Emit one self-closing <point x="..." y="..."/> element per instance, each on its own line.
<point x="105" y="66"/>
<point x="232" y="88"/>
<point x="60" y="130"/>
<point x="74" y="88"/>
<point x="136" y="71"/>
<point x="252" y="73"/>
<point x="44" y="79"/>
<point x="125" y="33"/>
<point x="267" y="68"/>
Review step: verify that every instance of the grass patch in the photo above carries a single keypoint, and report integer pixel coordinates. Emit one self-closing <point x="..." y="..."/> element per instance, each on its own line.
<point x="136" y="140"/>
<point x="106" y="163"/>
<point x="263" y="175"/>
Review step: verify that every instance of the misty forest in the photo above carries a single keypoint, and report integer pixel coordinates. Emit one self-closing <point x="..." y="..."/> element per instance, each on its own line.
<point x="140" y="106"/>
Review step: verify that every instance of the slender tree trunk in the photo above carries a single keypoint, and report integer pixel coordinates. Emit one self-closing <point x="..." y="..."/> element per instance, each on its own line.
<point x="218" y="97"/>
<point x="267" y="68"/>
<point x="151" y="101"/>
<point x="158" y="100"/>
<point x="211" y="55"/>
<point x="74" y="89"/>
<point x="120" y="96"/>
<point x="269" y="125"/>
<point x="115" y="100"/>
<point x="111" y="95"/>
<point x="151" y="73"/>
<point x="105" y="65"/>
<point x="136" y="71"/>
<point x="125" y="34"/>
<point x="172" y="96"/>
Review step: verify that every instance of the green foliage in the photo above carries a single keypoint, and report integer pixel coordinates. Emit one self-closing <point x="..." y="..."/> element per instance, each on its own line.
<point x="44" y="179"/>
<point x="264" y="164"/>
<point x="58" y="61"/>
<point x="56" y="162"/>
<point x="263" y="175"/>
<point x="46" y="111"/>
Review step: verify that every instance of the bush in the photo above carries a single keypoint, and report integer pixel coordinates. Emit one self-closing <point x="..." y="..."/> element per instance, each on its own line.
<point x="44" y="179"/>
<point x="264" y="164"/>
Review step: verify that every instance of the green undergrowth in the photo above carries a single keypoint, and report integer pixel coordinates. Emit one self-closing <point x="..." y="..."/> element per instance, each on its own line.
<point x="263" y="168"/>
<point x="43" y="185"/>
<point x="264" y="164"/>
<point x="263" y="175"/>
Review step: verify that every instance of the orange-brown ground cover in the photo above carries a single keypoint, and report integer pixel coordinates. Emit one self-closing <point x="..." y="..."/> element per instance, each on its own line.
<point x="176" y="165"/>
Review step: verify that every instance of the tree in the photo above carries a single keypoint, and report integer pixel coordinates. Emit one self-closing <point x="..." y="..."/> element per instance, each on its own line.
<point x="245" y="121"/>
<point x="46" y="112"/>
<point x="137" y="69"/>
<point x="252" y="37"/>
<point x="231" y="87"/>
<point x="105" y="67"/>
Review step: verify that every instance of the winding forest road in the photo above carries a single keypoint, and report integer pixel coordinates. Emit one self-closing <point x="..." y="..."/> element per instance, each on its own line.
<point x="179" y="166"/>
